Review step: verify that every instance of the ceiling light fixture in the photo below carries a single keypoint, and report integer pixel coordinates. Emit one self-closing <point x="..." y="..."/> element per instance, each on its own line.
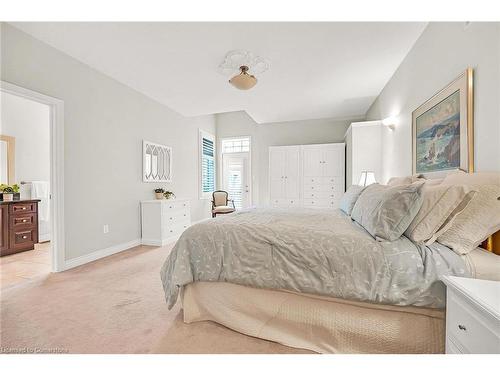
<point x="243" y="81"/>
<point x="240" y="65"/>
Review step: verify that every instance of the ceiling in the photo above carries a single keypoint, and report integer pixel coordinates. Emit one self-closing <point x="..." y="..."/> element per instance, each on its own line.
<point x="317" y="70"/>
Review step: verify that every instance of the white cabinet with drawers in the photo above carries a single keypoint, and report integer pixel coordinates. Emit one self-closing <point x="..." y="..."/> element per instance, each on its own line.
<point x="472" y="316"/>
<point x="306" y="175"/>
<point x="164" y="220"/>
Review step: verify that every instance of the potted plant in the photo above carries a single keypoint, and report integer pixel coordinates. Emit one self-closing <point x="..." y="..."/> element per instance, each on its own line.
<point x="159" y="193"/>
<point x="168" y="194"/>
<point x="9" y="192"/>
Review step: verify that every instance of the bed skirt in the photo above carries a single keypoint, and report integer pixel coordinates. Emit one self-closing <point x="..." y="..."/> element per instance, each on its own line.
<point x="320" y="324"/>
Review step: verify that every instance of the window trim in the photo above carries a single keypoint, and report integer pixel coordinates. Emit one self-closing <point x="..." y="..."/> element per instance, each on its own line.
<point x="204" y="134"/>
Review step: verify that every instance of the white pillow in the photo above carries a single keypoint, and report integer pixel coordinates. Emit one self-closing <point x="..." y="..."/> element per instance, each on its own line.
<point x="483" y="264"/>
<point x="439" y="207"/>
<point x="406" y="180"/>
<point x="479" y="220"/>
<point x="350" y="197"/>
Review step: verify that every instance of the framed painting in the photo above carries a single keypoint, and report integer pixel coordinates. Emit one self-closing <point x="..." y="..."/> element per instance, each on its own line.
<point x="442" y="130"/>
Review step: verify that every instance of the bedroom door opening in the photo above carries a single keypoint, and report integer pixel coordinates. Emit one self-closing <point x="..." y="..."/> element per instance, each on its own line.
<point x="36" y="236"/>
<point x="236" y="171"/>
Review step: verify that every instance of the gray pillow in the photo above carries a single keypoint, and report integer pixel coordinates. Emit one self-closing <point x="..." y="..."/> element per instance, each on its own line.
<point x="350" y="197"/>
<point x="387" y="211"/>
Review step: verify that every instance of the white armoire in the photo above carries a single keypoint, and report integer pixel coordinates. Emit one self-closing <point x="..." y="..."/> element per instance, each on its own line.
<point x="307" y="175"/>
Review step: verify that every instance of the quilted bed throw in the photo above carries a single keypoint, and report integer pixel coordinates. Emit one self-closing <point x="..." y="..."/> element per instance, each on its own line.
<point x="310" y="251"/>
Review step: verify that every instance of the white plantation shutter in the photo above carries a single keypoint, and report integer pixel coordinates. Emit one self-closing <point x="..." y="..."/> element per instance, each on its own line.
<point x="207" y="148"/>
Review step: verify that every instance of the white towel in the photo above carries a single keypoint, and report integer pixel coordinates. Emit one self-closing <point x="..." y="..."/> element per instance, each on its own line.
<point x="40" y="190"/>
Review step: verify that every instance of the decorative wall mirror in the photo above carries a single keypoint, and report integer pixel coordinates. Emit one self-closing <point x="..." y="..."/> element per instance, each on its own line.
<point x="7" y="162"/>
<point x="156" y="162"/>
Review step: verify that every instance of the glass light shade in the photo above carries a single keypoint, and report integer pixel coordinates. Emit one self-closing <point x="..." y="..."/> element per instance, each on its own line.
<point x="243" y="81"/>
<point x="367" y="178"/>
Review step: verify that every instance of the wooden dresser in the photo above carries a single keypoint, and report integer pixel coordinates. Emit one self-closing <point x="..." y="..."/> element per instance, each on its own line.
<point x="19" y="226"/>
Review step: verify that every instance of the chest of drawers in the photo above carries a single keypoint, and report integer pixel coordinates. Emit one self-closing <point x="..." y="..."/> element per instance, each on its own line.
<point x="472" y="316"/>
<point x="163" y="221"/>
<point x="18" y="226"/>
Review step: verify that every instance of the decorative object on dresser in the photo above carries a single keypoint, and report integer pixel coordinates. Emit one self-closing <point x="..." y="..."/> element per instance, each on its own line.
<point x="220" y="203"/>
<point x="161" y="193"/>
<point x="442" y="129"/>
<point x="472" y="316"/>
<point x="18" y="226"/>
<point x="156" y="162"/>
<point x="163" y="221"/>
<point x="306" y="175"/>
<point x="9" y="192"/>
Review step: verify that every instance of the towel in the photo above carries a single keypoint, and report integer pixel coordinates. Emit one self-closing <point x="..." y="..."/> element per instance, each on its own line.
<point x="40" y="190"/>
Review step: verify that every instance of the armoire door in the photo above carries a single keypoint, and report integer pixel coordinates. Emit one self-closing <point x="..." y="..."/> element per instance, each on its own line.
<point x="277" y="157"/>
<point x="292" y="174"/>
<point x="312" y="161"/>
<point x="333" y="161"/>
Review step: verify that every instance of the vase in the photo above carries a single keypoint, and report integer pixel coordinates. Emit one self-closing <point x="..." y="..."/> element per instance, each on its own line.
<point x="7" y="197"/>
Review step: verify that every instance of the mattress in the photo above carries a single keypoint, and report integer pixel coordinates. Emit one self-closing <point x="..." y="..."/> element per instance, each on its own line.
<point x="320" y="324"/>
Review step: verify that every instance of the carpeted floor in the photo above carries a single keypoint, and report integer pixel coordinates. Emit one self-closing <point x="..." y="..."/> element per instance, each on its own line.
<point x="113" y="305"/>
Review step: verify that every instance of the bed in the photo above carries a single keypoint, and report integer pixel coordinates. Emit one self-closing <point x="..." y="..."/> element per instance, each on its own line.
<point x="314" y="279"/>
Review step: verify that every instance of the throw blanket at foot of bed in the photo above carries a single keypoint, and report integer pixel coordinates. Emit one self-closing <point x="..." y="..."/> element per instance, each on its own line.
<point x="309" y="251"/>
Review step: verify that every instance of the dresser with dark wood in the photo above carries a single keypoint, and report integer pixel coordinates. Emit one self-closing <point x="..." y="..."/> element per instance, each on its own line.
<point x="19" y="226"/>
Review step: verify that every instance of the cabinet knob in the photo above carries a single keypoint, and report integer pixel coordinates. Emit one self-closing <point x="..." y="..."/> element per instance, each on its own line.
<point x="24" y="237"/>
<point x="23" y="208"/>
<point x="462" y="327"/>
<point x="24" y="220"/>
<point x="170" y="218"/>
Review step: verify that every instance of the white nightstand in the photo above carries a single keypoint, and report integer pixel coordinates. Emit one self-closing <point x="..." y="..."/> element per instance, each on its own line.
<point x="472" y="315"/>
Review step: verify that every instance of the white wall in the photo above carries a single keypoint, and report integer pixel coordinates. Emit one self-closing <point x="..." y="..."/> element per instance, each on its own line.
<point x="105" y="123"/>
<point x="234" y="124"/>
<point x="364" y="153"/>
<point x="28" y="122"/>
<point x="443" y="51"/>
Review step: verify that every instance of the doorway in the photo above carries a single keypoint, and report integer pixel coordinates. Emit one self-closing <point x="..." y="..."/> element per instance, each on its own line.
<point x="236" y="171"/>
<point x="35" y="121"/>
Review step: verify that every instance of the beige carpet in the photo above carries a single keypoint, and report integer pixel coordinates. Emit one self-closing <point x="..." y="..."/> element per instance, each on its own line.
<point x="113" y="305"/>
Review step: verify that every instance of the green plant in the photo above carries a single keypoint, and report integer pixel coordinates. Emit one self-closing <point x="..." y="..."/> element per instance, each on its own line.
<point x="167" y="194"/>
<point x="160" y="190"/>
<point x="4" y="188"/>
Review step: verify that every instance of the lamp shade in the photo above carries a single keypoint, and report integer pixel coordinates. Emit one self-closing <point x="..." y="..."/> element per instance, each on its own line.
<point x="243" y="81"/>
<point x="367" y="178"/>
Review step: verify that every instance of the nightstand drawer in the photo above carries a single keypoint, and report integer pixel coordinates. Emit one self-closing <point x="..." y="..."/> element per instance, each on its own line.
<point x="468" y="328"/>
<point x="20" y="221"/>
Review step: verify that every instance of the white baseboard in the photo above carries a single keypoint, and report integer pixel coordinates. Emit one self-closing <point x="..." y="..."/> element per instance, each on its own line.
<point x="98" y="254"/>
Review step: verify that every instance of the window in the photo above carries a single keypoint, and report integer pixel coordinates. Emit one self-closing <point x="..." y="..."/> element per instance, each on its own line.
<point x="235" y="145"/>
<point x="207" y="167"/>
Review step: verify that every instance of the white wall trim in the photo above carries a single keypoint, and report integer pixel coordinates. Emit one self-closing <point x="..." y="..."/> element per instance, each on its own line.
<point x="102" y="253"/>
<point x="98" y="254"/>
<point x="56" y="167"/>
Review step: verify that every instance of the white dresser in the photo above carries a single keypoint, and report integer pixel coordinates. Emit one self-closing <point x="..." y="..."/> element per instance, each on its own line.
<point x="472" y="316"/>
<point x="306" y="175"/>
<point x="164" y="220"/>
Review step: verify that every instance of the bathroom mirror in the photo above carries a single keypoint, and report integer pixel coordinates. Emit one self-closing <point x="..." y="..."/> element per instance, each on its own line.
<point x="156" y="162"/>
<point x="7" y="163"/>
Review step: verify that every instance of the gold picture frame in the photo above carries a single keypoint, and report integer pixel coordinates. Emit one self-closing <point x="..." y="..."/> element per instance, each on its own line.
<point x="443" y="130"/>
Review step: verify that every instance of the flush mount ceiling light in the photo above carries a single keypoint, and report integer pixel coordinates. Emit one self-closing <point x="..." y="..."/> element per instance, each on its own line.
<point x="239" y="65"/>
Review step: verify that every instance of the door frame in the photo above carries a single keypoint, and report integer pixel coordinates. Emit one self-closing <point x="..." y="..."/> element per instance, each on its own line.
<point x="221" y="162"/>
<point x="56" y="108"/>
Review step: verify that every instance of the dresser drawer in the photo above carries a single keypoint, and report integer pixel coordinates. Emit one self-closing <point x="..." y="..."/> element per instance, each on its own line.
<point x="177" y="229"/>
<point x="330" y="195"/>
<point x="22" y="208"/>
<point x="22" y="220"/>
<point x="174" y="206"/>
<point x="470" y="328"/>
<point x="20" y="239"/>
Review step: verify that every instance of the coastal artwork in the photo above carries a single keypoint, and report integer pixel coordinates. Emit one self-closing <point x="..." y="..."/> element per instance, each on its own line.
<point x="437" y="133"/>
